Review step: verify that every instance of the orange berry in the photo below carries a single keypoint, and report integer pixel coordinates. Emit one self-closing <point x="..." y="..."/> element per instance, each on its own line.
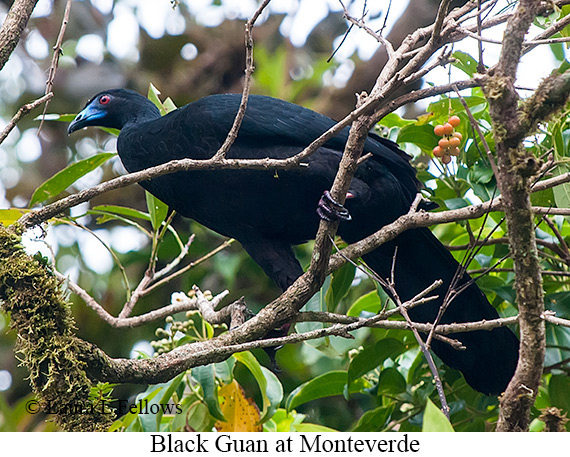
<point x="447" y="128"/>
<point x="438" y="130"/>
<point x="453" y="151"/>
<point x="446" y="159"/>
<point x="443" y="143"/>
<point x="458" y="135"/>
<point x="437" y="151"/>
<point x="454" y="142"/>
<point x="454" y="121"/>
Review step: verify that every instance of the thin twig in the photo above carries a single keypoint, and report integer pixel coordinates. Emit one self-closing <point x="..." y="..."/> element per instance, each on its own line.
<point x="57" y="52"/>
<point x="233" y="133"/>
<point x="21" y="113"/>
<point x="480" y="64"/>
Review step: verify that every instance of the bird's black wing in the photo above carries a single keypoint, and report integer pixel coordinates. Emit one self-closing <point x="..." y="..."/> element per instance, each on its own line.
<point x="271" y="122"/>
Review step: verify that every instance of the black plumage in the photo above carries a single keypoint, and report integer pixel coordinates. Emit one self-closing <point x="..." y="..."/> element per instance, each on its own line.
<point x="269" y="211"/>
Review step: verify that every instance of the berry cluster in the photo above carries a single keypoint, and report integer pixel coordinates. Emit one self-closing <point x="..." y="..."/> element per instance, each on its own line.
<point x="449" y="144"/>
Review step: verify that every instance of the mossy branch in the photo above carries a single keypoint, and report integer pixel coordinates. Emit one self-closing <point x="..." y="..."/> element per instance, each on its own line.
<point x="47" y="345"/>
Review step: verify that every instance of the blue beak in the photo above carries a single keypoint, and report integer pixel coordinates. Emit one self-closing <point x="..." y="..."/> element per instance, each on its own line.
<point x="85" y="118"/>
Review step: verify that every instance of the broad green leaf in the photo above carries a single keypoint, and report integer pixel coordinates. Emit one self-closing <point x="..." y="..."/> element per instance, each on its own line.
<point x="374" y="419"/>
<point x="340" y="285"/>
<point x="557" y="337"/>
<point x="465" y="63"/>
<point x="169" y="390"/>
<point x="128" y="419"/>
<point x="195" y="413"/>
<point x="420" y="135"/>
<point x="442" y="108"/>
<point x="393" y="120"/>
<point x="456" y="203"/>
<point x="481" y="172"/>
<point x="66" y="177"/>
<point x="543" y="198"/>
<point x="391" y="382"/>
<point x="559" y="392"/>
<point x="205" y="376"/>
<point x="325" y="385"/>
<point x="224" y="370"/>
<point x="371" y="357"/>
<point x="269" y="385"/>
<point x="435" y="420"/>
<point x="317" y="303"/>
<point x="369" y="303"/>
<point x="562" y="192"/>
<point x="156" y="209"/>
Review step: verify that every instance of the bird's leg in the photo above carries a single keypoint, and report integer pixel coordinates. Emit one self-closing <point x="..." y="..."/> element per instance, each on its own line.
<point x="331" y="210"/>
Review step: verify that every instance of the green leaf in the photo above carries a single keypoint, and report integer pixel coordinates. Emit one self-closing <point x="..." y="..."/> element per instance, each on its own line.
<point x="169" y="105"/>
<point x="156" y="209"/>
<point x="205" y="376"/>
<point x="171" y="387"/>
<point x="393" y="120"/>
<point x="66" y="177"/>
<point x="269" y="385"/>
<point x="325" y="385"/>
<point x="391" y="382"/>
<point x="122" y="211"/>
<point x="195" y="413"/>
<point x="374" y="419"/>
<point x="543" y="198"/>
<point x="369" y="303"/>
<point x="456" y="203"/>
<point x="480" y="173"/>
<point x="128" y="419"/>
<point x="371" y="357"/>
<point x="153" y="96"/>
<point x="56" y="117"/>
<point x="559" y="392"/>
<point x="465" y="63"/>
<point x="308" y="428"/>
<point x="442" y="108"/>
<point x="340" y="285"/>
<point x="105" y="216"/>
<point x="562" y="192"/>
<point x="420" y="135"/>
<point x="435" y="420"/>
<point x="317" y="303"/>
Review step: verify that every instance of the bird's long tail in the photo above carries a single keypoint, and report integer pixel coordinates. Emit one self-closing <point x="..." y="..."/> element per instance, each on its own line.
<point x="489" y="360"/>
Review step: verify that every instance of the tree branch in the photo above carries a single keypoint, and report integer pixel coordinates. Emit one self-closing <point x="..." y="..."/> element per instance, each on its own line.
<point x="13" y="26"/>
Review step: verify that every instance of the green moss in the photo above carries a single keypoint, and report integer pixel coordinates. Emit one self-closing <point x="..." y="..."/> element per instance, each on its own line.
<point x="47" y="346"/>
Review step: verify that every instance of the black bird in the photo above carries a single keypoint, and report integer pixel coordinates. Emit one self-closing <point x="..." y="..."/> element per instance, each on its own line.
<point x="269" y="211"/>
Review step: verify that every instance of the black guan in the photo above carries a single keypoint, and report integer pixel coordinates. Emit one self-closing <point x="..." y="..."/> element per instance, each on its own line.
<point x="268" y="211"/>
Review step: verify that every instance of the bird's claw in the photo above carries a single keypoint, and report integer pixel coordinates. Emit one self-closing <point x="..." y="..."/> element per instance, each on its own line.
<point x="331" y="210"/>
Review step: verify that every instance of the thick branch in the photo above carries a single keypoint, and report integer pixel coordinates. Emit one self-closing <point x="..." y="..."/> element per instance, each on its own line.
<point x="13" y="26"/>
<point x="517" y="166"/>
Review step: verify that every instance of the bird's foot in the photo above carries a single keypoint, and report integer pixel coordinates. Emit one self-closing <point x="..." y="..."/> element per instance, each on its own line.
<point x="331" y="210"/>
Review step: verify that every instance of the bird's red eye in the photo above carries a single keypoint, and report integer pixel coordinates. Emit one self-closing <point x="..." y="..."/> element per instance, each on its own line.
<point x="104" y="99"/>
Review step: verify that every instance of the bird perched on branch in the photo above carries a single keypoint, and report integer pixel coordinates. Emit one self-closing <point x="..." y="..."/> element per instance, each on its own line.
<point x="269" y="211"/>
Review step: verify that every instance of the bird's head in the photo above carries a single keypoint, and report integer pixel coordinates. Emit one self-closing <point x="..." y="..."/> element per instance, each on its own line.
<point x="114" y="108"/>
